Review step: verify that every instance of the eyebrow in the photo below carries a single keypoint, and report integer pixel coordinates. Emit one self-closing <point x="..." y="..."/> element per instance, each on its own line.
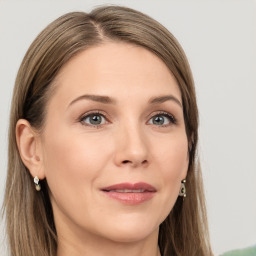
<point x="97" y="98"/>
<point x="109" y="100"/>
<point x="164" y="98"/>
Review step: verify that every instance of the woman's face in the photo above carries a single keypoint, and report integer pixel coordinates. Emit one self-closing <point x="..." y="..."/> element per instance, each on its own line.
<point x="114" y="145"/>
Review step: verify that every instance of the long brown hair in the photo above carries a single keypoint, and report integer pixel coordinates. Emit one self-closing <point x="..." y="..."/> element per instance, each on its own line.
<point x="29" y="217"/>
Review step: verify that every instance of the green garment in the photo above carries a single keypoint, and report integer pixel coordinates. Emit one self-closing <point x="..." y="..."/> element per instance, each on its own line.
<point x="251" y="251"/>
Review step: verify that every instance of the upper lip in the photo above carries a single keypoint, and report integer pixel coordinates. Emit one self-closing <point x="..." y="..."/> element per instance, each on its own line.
<point x="129" y="187"/>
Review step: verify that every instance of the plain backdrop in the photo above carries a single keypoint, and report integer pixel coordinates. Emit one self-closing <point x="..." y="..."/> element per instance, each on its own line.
<point x="219" y="38"/>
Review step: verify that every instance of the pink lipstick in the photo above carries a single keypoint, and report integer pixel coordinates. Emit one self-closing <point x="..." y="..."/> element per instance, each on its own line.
<point x="130" y="193"/>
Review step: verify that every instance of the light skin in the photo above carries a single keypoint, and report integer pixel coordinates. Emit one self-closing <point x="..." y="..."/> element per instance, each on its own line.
<point x="134" y="133"/>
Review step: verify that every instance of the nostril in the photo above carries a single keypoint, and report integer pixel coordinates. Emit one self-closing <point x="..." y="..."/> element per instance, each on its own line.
<point x="128" y="161"/>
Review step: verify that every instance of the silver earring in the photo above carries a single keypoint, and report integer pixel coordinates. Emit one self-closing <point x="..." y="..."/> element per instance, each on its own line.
<point x="37" y="185"/>
<point x="182" y="189"/>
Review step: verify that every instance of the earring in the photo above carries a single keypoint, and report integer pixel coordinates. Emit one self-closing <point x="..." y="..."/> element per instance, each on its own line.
<point x="182" y="189"/>
<point x="37" y="185"/>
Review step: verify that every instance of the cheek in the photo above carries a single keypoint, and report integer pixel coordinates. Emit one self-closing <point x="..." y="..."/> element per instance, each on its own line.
<point x="172" y="163"/>
<point x="172" y="156"/>
<point x="72" y="163"/>
<point x="176" y="162"/>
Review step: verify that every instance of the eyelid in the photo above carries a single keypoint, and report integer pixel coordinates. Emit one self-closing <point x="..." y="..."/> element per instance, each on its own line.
<point x="172" y="118"/>
<point x="80" y="119"/>
<point x="93" y="112"/>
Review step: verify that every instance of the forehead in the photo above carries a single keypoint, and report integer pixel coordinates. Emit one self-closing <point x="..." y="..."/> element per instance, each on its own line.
<point x="116" y="68"/>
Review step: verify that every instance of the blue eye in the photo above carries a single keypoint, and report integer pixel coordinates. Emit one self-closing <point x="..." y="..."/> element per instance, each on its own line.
<point x="94" y="119"/>
<point x="163" y="119"/>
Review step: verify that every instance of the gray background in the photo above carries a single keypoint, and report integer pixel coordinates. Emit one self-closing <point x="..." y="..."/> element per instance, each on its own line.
<point x="219" y="38"/>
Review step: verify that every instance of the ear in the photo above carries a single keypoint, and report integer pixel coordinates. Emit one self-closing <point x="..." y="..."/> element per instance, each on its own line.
<point x="30" y="149"/>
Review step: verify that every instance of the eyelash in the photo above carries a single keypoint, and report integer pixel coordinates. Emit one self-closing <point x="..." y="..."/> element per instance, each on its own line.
<point x="170" y="117"/>
<point x="90" y="114"/>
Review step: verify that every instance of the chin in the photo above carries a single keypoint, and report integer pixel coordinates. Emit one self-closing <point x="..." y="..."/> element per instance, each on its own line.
<point x="132" y="231"/>
<point x="132" y="236"/>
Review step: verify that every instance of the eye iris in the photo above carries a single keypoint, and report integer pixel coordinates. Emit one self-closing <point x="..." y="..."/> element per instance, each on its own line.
<point x="158" y="120"/>
<point x="95" y="119"/>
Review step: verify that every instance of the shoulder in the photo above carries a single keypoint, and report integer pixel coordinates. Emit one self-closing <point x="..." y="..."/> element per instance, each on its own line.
<point x="251" y="251"/>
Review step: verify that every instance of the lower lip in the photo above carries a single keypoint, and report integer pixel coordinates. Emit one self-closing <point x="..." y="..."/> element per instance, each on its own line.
<point x="130" y="198"/>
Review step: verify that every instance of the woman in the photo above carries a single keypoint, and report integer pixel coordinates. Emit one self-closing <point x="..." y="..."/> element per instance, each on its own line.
<point x="102" y="142"/>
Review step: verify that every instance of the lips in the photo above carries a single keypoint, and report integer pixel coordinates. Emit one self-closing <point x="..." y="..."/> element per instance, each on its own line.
<point x="129" y="193"/>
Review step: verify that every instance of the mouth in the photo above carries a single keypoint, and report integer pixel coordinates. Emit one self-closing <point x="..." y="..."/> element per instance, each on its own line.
<point x="128" y="190"/>
<point x="129" y="193"/>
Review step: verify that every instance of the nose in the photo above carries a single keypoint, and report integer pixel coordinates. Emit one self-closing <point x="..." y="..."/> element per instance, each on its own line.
<point x="131" y="147"/>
